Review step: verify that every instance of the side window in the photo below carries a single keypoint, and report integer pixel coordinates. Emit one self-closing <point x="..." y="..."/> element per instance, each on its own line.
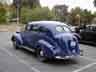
<point x="42" y="29"/>
<point x="39" y="29"/>
<point x="94" y="28"/>
<point x="34" y="28"/>
<point x="31" y="27"/>
<point x="91" y="28"/>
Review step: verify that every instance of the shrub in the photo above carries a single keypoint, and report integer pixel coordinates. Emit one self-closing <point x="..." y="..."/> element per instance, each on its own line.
<point x="36" y="14"/>
<point x="2" y="15"/>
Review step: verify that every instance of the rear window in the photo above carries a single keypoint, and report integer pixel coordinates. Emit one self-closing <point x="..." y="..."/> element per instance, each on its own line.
<point x="63" y="29"/>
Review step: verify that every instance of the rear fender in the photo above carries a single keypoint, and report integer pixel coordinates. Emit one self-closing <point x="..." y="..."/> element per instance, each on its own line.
<point x="46" y="47"/>
<point x="77" y="36"/>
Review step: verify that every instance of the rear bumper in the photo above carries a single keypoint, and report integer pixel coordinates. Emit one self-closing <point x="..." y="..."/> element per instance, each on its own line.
<point x="70" y="57"/>
<point x="67" y="57"/>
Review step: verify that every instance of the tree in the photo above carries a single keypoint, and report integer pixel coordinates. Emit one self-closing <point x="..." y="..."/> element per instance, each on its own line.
<point x="2" y="14"/>
<point x="4" y="10"/>
<point x="94" y="2"/>
<point x="36" y="14"/>
<point x="18" y="4"/>
<point x="86" y="16"/>
<point x="73" y="17"/>
<point x="27" y="3"/>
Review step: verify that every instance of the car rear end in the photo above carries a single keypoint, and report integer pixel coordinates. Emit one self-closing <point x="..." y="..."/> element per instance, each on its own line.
<point x="68" y="46"/>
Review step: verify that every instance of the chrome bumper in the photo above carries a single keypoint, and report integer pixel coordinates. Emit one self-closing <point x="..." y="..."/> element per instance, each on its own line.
<point x="66" y="57"/>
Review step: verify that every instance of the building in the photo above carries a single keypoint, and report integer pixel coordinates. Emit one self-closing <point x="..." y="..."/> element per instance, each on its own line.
<point x="61" y="9"/>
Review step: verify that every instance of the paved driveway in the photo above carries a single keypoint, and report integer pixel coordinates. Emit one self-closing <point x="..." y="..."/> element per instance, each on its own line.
<point x="12" y="60"/>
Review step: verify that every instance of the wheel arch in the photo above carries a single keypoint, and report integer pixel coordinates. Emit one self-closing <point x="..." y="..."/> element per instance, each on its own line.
<point x="17" y="37"/>
<point x="46" y="47"/>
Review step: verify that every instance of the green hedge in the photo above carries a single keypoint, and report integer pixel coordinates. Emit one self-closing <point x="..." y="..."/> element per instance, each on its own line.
<point x="2" y="15"/>
<point x="36" y="14"/>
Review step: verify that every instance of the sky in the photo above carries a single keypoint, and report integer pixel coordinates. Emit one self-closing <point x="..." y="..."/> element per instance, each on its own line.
<point x="84" y="4"/>
<point x="7" y="1"/>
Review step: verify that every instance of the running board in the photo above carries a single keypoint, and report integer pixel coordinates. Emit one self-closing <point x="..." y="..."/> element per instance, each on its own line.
<point x="27" y="48"/>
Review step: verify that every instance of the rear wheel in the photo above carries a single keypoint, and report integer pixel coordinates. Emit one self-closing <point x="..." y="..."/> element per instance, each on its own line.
<point x="40" y="56"/>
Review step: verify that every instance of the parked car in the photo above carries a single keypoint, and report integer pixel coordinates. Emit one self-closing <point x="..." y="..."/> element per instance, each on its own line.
<point x="88" y="34"/>
<point x="48" y="39"/>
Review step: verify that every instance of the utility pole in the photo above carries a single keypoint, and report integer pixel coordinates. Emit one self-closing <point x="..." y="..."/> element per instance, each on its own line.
<point x="18" y="10"/>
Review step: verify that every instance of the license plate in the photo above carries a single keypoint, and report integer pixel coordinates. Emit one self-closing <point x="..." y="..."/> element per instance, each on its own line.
<point x="73" y="43"/>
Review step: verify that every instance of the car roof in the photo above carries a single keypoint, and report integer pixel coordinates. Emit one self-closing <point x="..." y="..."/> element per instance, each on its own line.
<point x="47" y="23"/>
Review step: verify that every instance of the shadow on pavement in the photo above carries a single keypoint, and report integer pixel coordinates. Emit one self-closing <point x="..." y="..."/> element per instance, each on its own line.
<point x="88" y="43"/>
<point x="53" y="61"/>
<point x="62" y="62"/>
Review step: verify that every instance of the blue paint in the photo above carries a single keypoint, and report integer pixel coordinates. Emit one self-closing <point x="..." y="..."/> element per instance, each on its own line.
<point x="52" y="42"/>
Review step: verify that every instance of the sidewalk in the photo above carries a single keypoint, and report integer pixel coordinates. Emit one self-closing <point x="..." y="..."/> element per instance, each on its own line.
<point x="9" y="28"/>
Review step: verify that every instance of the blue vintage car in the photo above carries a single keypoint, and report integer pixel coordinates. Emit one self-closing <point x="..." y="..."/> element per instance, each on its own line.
<point x="48" y="39"/>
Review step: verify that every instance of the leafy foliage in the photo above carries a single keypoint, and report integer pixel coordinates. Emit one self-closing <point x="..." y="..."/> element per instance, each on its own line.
<point x="86" y="16"/>
<point x="94" y="2"/>
<point x="31" y="11"/>
<point x="27" y="3"/>
<point x="36" y="14"/>
<point x="2" y="14"/>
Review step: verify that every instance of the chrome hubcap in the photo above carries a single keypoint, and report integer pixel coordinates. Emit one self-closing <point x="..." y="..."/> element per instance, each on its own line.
<point x="41" y="53"/>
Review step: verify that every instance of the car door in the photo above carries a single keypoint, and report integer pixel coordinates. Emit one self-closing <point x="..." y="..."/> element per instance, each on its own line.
<point x="94" y="34"/>
<point x="89" y="34"/>
<point x="30" y="35"/>
<point x="37" y="32"/>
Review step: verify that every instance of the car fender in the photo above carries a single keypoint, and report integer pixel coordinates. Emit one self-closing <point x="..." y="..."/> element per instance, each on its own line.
<point x="18" y="37"/>
<point x="46" y="47"/>
<point x="77" y="36"/>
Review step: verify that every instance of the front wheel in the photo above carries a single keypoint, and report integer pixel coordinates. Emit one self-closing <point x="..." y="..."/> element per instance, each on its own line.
<point x="15" y="45"/>
<point x="14" y="42"/>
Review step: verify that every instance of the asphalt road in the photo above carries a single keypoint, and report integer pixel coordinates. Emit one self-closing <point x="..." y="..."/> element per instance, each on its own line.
<point x="12" y="60"/>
